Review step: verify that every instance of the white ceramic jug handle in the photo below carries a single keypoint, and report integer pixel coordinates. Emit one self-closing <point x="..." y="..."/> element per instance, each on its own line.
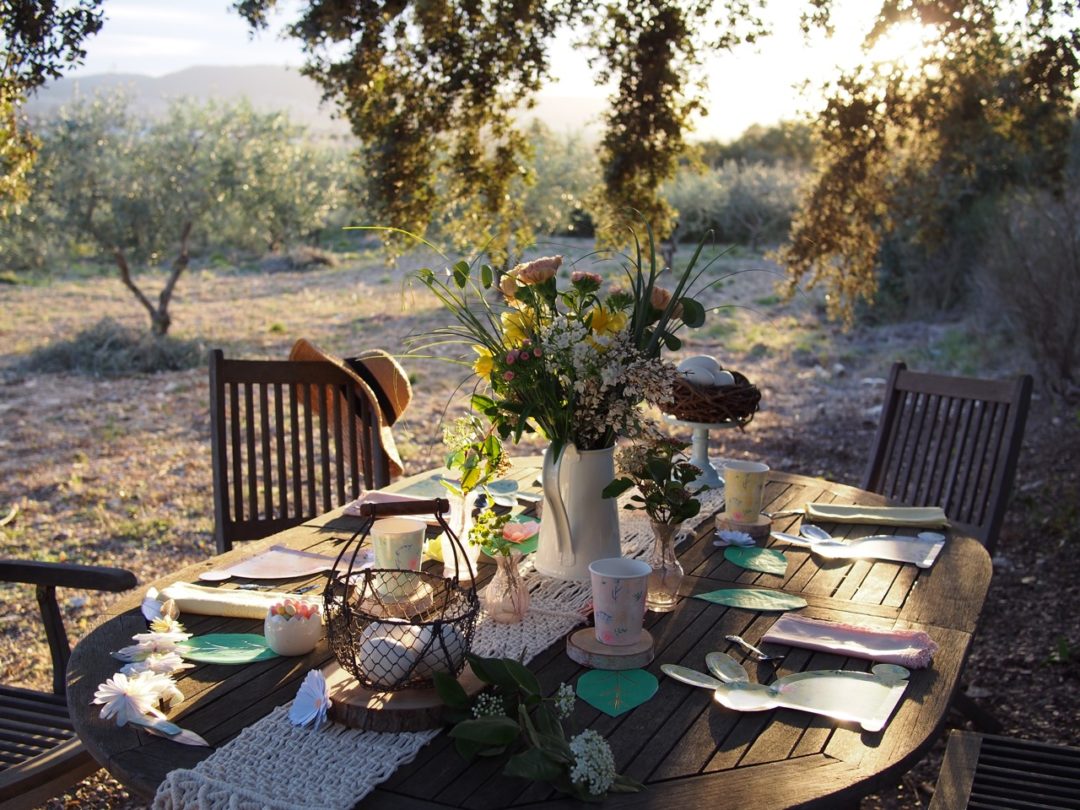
<point x="551" y="480"/>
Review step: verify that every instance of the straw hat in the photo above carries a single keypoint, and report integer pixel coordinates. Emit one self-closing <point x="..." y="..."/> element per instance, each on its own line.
<point x="379" y="377"/>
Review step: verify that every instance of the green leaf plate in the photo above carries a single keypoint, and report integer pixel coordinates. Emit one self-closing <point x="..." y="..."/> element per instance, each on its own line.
<point x="226" y="648"/>
<point x="765" y="560"/>
<point x="616" y="693"/>
<point x="753" y="599"/>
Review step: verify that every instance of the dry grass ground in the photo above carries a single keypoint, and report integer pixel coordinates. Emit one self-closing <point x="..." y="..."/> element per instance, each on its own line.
<point x="117" y="471"/>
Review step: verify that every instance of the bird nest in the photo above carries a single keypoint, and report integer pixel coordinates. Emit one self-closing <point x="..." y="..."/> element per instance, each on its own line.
<point x="712" y="404"/>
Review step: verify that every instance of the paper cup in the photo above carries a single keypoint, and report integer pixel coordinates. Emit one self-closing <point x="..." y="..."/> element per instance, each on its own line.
<point x="619" y="585"/>
<point x="398" y="544"/>
<point x="744" y="486"/>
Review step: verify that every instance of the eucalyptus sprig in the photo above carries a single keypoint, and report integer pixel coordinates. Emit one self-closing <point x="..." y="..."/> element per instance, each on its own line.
<point x="512" y="718"/>
<point x="476" y="453"/>
<point x="665" y="479"/>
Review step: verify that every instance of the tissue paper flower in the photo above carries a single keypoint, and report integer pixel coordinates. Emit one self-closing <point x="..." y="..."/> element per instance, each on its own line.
<point x="148" y="643"/>
<point x="730" y="538"/>
<point x="163" y="686"/>
<point x="312" y="701"/>
<point x="127" y="699"/>
<point x="163" y="663"/>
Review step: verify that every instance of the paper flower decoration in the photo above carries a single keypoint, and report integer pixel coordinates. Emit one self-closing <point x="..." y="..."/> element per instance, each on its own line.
<point x="731" y="538"/>
<point x="163" y="663"/>
<point x="127" y="699"/>
<point x="311" y="702"/>
<point x="146" y="644"/>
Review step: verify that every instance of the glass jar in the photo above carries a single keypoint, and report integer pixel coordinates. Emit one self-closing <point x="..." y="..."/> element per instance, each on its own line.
<point x="667" y="572"/>
<point x="506" y="598"/>
<point x="460" y="520"/>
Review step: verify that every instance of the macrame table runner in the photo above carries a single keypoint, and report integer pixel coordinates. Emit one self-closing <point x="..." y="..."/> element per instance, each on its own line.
<point x="272" y="765"/>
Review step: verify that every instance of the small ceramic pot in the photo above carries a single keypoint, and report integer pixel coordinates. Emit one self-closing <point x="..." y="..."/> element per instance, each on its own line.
<point x="292" y="636"/>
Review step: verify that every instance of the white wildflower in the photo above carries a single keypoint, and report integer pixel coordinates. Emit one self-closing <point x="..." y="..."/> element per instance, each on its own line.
<point x="564" y="700"/>
<point x="488" y="706"/>
<point x="594" y="764"/>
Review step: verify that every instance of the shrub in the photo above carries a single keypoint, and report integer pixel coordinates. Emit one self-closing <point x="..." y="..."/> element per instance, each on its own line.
<point x="1031" y="274"/>
<point x="110" y="349"/>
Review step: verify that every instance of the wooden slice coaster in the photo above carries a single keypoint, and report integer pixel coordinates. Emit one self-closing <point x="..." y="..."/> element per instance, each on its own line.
<point x="583" y="647"/>
<point x="406" y="710"/>
<point x="759" y="529"/>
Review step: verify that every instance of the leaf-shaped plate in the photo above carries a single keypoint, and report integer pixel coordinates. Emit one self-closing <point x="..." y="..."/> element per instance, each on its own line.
<point x="616" y="693"/>
<point x="226" y="648"/>
<point x="528" y="546"/>
<point x="765" y="560"/>
<point x="753" y="599"/>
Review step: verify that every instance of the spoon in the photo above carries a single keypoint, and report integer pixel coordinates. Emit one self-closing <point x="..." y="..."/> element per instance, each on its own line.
<point x="817" y="534"/>
<point x="746" y="645"/>
<point x="812" y="532"/>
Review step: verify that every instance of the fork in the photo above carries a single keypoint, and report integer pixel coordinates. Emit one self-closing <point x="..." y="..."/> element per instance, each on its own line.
<point x="746" y="645"/>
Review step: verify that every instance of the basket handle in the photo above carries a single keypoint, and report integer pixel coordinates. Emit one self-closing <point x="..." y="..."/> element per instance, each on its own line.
<point x="438" y="506"/>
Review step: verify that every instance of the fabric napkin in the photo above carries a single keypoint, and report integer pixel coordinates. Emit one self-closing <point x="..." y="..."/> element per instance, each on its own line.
<point x="221" y="602"/>
<point x="913" y="649"/>
<point x="923" y="517"/>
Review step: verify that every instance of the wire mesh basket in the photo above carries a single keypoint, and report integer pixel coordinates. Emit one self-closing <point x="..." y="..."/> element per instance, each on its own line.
<point x="394" y="629"/>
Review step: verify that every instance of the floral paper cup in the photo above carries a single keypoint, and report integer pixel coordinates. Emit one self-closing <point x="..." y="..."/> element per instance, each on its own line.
<point x="744" y="486"/>
<point x="398" y="544"/>
<point x="619" y="585"/>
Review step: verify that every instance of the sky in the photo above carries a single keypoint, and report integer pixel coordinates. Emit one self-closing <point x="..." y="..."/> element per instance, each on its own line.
<point x="751" y="85"/>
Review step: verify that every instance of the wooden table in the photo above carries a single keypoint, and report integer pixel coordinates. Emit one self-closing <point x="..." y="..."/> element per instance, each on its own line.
<point x="689" y="751"/>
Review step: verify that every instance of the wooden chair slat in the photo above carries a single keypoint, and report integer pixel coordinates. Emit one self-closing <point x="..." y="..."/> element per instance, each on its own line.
<point x="951" y="442"/>
<point x="292" y="440"/>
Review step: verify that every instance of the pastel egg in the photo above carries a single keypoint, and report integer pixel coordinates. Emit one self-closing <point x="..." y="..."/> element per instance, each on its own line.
<point x="387" y="652"/>
<point x="723" y="378"/>
<point x="700" y="363"/>
<point x="435" y="659"/>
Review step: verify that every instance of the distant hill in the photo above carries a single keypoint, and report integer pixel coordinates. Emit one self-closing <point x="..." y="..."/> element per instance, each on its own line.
<point x="268" y="88"/>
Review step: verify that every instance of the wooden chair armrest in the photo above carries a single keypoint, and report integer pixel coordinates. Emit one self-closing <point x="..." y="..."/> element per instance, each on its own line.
<point x="67" y="575"/>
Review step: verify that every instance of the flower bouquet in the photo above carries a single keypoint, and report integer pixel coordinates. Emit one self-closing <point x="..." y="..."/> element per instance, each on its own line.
<point x="574" y="361"/>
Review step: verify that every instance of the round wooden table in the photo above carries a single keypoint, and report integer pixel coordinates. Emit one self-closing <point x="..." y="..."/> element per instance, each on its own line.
<point x="686" y="749"/>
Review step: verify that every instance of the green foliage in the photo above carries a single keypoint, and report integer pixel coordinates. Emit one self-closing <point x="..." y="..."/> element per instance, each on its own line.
<point x="907" y="159"/>
<point x="513" y="719"/>
<point x="432" y="89"/>
<point x="744" y="203"/>
<point x="110" y="349"/>
<point x="37" y="39"/>
<point x="565" y="169"/>
<point x="665" y="480"/>
<point x="788" y="142"/>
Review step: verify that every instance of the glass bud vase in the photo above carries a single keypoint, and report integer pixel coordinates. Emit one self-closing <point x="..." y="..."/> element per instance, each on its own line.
<point x="667" y="572"/>
<point x="460" y="520"/>
<point x="506" y="598"/>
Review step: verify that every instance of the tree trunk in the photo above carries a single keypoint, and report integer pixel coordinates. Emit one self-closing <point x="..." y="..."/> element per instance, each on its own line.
<point x="160" y="320"/>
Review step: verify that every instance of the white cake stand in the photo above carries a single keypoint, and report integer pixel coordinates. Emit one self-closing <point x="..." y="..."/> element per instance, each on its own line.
<point x="699" y="450"/>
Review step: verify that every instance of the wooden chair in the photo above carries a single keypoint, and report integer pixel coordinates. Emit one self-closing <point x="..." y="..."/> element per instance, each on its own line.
<point x="987" y="771"/>
<point x="290" y="440"/>
<point x="951" y="442"/>
<point x="40" y="756"/>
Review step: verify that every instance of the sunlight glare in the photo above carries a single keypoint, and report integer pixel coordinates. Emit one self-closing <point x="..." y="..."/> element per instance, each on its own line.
<point x="905" y="46"/>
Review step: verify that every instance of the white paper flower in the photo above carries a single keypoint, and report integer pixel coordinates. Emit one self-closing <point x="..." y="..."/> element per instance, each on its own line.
<point x="312" y="701"/>
<point x="594" y="764"/>
<point x="126" y="698"/>
<point x="147" y="644"/>
<point x="167" y="624"/>
<point x="162" y="685"/>
<point x="731" y="538"/>
<point x="163" y="663"/>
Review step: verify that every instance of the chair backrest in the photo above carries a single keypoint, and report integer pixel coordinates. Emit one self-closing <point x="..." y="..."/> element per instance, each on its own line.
<point x="290" y="440"/>
<point x="951" y="442"/>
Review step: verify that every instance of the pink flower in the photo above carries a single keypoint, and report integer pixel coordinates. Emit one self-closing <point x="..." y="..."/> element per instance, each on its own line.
<point x="660" y="300"/>
<point x="583" y="276"/>
<point x="520" y="532"/>
<point x="537" y="352"/>
<point x="523" y="356"/>
<point x="511" y="357"/>
<point x="508" y="375"/>
<point x="537" y="271"/>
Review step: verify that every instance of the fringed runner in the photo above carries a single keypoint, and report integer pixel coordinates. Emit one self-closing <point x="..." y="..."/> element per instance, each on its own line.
<point x="274" y="765"/>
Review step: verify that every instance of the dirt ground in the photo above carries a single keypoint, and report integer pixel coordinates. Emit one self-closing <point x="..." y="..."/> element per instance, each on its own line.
<point x="117" y="471"/>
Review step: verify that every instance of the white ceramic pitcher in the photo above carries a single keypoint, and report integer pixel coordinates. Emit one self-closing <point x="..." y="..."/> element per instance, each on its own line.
<point x="578" y="525"/>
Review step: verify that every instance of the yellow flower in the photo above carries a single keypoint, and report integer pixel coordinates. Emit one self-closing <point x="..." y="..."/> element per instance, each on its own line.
<point x="518" y="325"/>
<point x="485" y="363"/>
<point x="605" y="322"/>
<point x="508" y="284"/>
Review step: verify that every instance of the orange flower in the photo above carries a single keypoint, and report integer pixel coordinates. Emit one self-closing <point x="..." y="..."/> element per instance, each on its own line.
<point x="660" y="300"/>
<point x="537" y="271"/>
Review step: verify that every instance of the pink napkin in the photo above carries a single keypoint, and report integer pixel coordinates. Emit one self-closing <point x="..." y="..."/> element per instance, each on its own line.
<point x="908" y="648"/>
